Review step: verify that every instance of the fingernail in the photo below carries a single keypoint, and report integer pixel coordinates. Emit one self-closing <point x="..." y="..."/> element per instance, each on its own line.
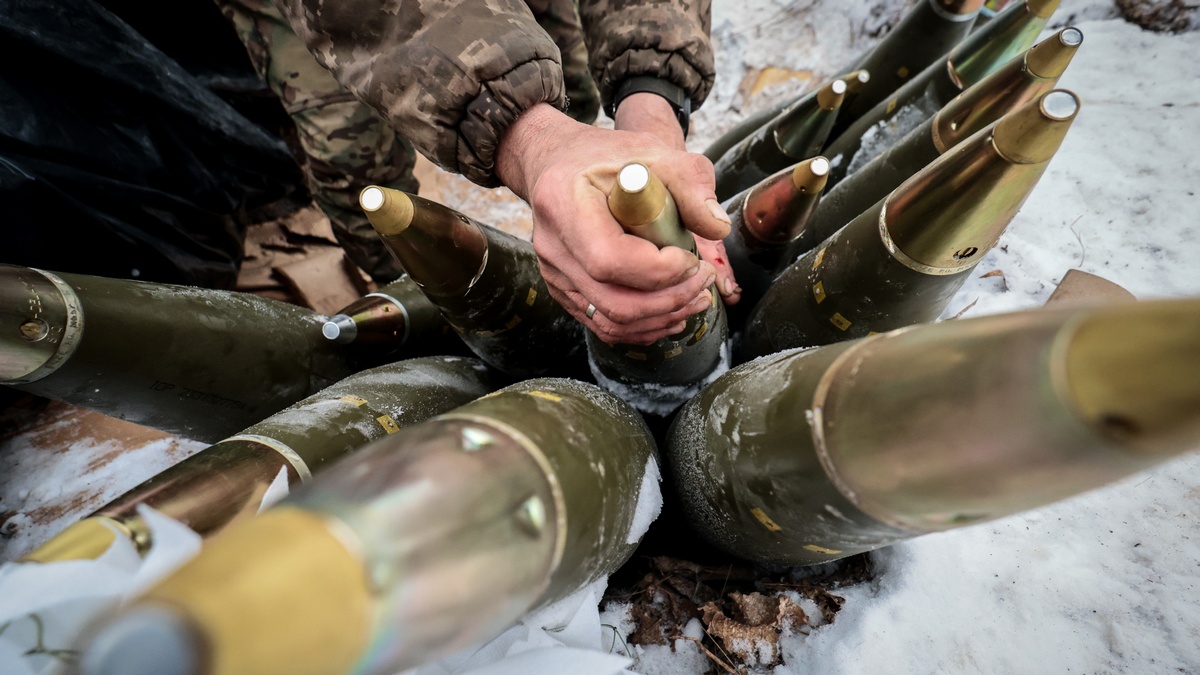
<point x="717" y="211"/>
<point x="693" y="270"/>
<point x="678" y="328"/>
<point x="709" y="282"/>
<point x="727" y="284"/>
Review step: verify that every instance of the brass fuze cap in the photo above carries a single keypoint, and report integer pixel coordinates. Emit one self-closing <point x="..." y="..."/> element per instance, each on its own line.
<point x="277" y="593"/>
<point x="811" y="175"/>
<point x="389" y="211"/>
<point x="855" y="80"/>
<point x="638" y="197"/>
<point x="830" y="96"/>
<point x="1133" y="373"/>
<point x="1033" y="133"/>
<point x="1050" y="57"/>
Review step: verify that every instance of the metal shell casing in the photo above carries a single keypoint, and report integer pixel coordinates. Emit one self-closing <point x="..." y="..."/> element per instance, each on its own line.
<point x="855" y="82"/>
<point x="796" y="134"/>
<point x="900" y="262"/>
<point x="195" y="362"/>
<point x="827" y="452"/>
<point x="981" y="104"/>
<point x="514" y="500"/>
<point x="925" y="35"/>
<point x="764" y="220"/>
<point x="1004" y="38"/>
<point x="227" y="481"/>
<point x="657" y="378"/>
<point x="1008" y="34"/>
<point x="397" y="319"/>
<point x="486" y="284"/>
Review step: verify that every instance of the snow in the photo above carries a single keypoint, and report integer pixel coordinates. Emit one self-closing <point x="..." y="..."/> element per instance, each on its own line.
<point x="1108" y="581"/>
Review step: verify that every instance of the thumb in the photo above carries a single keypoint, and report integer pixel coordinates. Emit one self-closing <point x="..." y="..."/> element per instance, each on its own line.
<point x="690" y="179"/>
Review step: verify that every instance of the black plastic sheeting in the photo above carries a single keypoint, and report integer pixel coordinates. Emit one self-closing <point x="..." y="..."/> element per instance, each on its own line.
<point x="115" y="160"/>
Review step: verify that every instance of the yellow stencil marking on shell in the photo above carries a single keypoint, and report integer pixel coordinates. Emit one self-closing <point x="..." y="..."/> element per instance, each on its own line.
<point x="530" y="297"/>
<point x="819" y="259"/>
<point x="513" y="322"/>
<point x="891" y="106"/>
<point x="712" y="296"/>
<point x="700" y="331"/>
<point x="874" y="332"/>
<point x="820" y="549"/>
<point x="389" y="425"/>
<point x="840" y="321"/>
<point x="766" y="520"/>
<point x="354" y="400"/>
<point x="673" y="353"/>
<point x="902" y="72"/>
<point x="819" y="291"/>
<point x="636" y="356"/>
<point x="542" y="394"/>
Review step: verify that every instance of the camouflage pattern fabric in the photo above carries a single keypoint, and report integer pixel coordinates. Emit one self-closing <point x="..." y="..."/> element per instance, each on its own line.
<point x="560" y="20"/>
<point x="454" y="74"/>
<point x="666" y="39"/>
<point x="346" y="145"/>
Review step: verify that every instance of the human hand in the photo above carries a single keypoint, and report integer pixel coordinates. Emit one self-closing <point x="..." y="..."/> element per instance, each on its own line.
<point x="650" y="113"/>
<point x="565" y="170"/>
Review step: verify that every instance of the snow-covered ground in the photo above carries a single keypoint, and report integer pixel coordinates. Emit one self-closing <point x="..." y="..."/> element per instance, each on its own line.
<point x="1107" y="582"/>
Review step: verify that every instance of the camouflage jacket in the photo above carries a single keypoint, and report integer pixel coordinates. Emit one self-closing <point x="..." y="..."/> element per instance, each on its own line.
<point x="451" y="75"/>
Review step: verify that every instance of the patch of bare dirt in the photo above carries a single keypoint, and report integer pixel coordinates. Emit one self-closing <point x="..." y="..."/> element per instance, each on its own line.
<point x="744" y="608"/>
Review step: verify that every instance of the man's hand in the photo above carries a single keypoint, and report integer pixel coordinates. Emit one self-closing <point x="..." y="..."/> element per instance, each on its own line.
<point x="649" y="113"/>
<point x="565" y="170"/>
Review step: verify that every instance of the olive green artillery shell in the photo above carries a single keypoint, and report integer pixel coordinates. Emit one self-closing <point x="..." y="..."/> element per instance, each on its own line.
<point x="661" y="376"/>
<point x="743" y="129"/>
<point x="657" y="378"/>
<point x="754" y="261"/>
<point x="748" y="477"/>
<point x="924" y="36"/>
<point x="501" y="309"/>
<point x="935" y="427"/>
<point x="865" y="186"/>
<point x="984" y="102"/>
<point x="524" y="496"/>
<point x="760" y="155"/>
<point x="848" y="287"/>
<point x="508" y="318"/>
<point x="599" y="449"/>
<point x="399" y="319"/>
<point x="196" y="362"/>
<point x="227" y="481"/>
<point x="982" y="52"/>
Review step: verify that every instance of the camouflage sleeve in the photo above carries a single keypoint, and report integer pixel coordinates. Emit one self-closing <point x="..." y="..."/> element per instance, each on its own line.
<point x="451" y="75"/>
<point x="662" y="38"/>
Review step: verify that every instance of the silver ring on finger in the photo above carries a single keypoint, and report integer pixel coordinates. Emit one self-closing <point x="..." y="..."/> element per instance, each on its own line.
<point x="591" y="310"/>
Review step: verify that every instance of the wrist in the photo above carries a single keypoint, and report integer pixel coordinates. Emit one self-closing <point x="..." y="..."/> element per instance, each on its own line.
<point x="525" y="144"/>
<point x="650" y="113"/>
<point x="672" y="94"/>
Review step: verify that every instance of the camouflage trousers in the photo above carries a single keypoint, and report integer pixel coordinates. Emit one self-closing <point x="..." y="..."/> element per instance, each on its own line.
<point x="346" y="145"/>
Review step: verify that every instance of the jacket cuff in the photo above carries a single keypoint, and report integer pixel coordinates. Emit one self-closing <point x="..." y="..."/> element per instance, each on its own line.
<point x="672" y="67"/>
<point x="499" y="103"/>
